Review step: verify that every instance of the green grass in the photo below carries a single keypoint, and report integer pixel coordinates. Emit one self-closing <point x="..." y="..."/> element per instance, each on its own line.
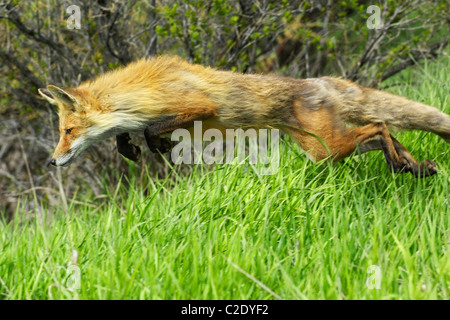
<point x="310" y="231"/>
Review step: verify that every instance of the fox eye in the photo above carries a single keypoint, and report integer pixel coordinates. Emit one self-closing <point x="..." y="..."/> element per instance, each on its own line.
<point x="68" y="131"/>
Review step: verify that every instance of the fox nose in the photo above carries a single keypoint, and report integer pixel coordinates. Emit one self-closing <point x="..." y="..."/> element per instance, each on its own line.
<point x="53" y="162"/>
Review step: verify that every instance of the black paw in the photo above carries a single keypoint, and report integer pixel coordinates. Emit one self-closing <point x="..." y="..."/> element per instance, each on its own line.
<point x="127" y="149"/>
<point x="426" y="168"/>
<point x="158" y="144"/>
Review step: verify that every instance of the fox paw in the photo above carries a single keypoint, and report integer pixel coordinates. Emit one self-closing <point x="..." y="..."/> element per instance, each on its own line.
<point x="420" y="170"/>
<point x="158" y="144"/>
<point x="426" y="168"/>
<point x="127" y="149"/>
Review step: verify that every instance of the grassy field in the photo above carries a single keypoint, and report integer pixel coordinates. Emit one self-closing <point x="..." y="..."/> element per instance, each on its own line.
<point x="310" y="231"/>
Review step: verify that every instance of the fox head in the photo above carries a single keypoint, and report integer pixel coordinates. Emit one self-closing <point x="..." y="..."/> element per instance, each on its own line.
<point x="80" y="116"/>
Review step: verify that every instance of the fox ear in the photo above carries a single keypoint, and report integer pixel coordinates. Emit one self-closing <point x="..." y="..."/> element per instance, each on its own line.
<point x="63" y="96"/>
<point x="47" y="95"/>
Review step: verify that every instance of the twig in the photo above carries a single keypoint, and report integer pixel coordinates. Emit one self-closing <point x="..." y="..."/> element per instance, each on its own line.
<point x="30" y="177"/>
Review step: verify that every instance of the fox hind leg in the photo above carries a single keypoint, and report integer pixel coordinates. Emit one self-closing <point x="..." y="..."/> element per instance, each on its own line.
<point x="422" y="169"/>
<point x="409" y="164"/>
<point x="375" y="136"/>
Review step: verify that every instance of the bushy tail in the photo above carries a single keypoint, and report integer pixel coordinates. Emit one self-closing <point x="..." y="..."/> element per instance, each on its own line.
<point x="404" y="114"/>
<point x="361" y="105"/>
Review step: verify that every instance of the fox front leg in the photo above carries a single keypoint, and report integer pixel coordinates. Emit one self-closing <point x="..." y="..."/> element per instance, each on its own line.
<point x="170" y="123"/>
<point x="156" y="143"/>
<point x="126" y="148"/>
<point x="133" y="152"/>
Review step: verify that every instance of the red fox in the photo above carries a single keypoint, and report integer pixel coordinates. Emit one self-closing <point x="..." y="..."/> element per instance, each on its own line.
<point x="327" y="117"/>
